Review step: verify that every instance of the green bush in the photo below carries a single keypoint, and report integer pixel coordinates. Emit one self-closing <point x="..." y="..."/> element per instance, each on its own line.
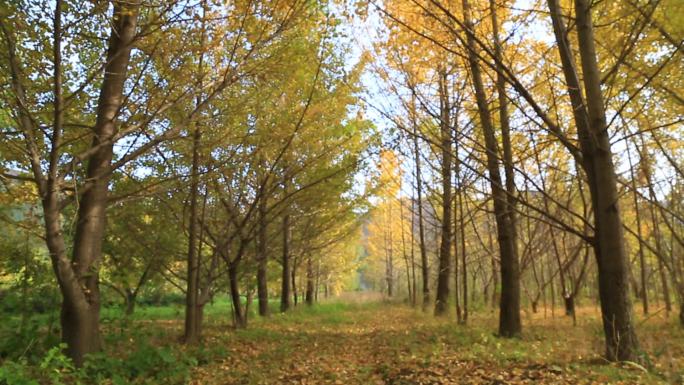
<point x="31" y="337"/>
<point x="54" y="369"/>
<point x="159" y="298"/>
<point x="16" y="373"/>
<point x="147" y="365"/>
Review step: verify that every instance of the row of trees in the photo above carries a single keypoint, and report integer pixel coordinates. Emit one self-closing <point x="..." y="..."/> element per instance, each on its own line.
<point x="200" y="145"/>
<point x="528" y="138"/>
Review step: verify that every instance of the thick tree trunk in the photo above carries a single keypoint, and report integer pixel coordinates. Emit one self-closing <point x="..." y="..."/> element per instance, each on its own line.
<point x="80" y="330"/>
<point x="78" y="281"/>
<point x="616" y="308"/>
<point x="509" y="308"/>
<point x="443" y="275"/>
<point x="609" y="248"/>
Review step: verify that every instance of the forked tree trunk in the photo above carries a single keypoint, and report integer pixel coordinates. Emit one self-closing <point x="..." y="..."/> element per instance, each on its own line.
<point x="78" y="280"/>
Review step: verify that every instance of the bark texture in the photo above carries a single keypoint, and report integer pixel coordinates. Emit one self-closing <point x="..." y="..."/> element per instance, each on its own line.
<point x="509" y="306"/>
<point x="597" y="162"/>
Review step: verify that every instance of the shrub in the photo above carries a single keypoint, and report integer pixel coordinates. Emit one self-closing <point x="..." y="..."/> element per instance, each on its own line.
<point x="147" y="365"/>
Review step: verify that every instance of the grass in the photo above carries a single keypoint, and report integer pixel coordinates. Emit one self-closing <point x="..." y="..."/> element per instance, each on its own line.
<point x="384" y="343"/>
<point x="352" y="341"/>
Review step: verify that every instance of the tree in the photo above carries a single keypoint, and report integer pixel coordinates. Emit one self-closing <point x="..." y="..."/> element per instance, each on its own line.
<point x="509" y="317"/>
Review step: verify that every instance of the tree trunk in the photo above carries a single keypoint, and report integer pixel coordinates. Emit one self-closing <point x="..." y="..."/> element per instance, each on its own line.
<point x="80" y="330"/>
<point x="509" y="308"/>
<point x="457" y="299"/>
<point x="495" y="265"/>
<point x="293" y="271"/>
<point x="192" y="332"/>
<point x="646" y="167"/>
<point x="309" y="281"/>
<point x="457" y="223"/>
<point x="403" y="250"/>
<point x="505" y="132"/>
<point x="421" y="226"/>
<point x="642" y="257"/>
<point x="238" y="314"/>
<point x="286" y="294"/>
<point x="130" y="302"/>
<point x="262" y="276"/>
<point x="443" y="275"/>
<point x="318" y="279"/>
<point x="464" y="266"/>
<point x="616" y="308"/>
<point x="80" y="314"/>
<point x="609" y="248"/>
<point x="414" y="299"/>
<point x="248" y="304"/>
<point x="389" y="261"/>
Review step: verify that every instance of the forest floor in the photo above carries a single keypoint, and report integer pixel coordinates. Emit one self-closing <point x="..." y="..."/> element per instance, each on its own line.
<point x="375" y="342"/>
